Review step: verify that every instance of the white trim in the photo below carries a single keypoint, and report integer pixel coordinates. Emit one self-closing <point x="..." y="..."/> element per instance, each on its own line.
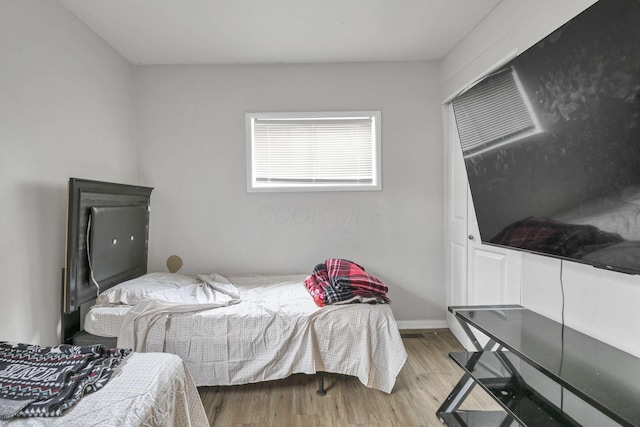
<point x="422" y="324"/>
<point x="375" y="185"/>
<point x="504" y="60"/>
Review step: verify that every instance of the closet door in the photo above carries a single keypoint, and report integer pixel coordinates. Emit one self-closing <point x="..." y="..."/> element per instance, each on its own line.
<point x="476" y="274"/>
<point x="456" y="211"/>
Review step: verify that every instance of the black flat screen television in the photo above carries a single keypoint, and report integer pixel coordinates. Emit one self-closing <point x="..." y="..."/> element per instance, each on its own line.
<point x="551" y="142"/>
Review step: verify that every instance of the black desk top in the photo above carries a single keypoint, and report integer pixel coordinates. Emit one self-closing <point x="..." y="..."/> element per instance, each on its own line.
<point x="604" y="376"/>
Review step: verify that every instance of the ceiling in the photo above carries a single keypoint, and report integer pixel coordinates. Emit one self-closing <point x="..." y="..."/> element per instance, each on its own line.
<point x="280" y="31"/>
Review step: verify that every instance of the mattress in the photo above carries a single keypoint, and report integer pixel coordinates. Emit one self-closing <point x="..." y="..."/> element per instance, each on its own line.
<point x="147" y="389"/>
<point x="105" y="321"/>
<point x="274" y="331"/>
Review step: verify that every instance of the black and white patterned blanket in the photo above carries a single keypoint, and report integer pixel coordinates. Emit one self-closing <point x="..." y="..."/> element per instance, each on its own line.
<point x="40" y="381"/>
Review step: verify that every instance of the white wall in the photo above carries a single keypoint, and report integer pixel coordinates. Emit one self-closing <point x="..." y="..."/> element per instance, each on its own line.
<point x="597" y="302"/>
<point x="191" y="136"/>
<point x="66" y="109"/>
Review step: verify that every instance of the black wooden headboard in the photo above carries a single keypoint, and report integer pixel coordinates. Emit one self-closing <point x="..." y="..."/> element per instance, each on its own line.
<point x="107" y="242"/>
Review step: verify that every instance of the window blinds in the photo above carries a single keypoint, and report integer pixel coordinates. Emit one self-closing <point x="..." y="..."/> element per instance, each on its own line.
<point x="314" y="150"/>
<point x="491" y="112"/>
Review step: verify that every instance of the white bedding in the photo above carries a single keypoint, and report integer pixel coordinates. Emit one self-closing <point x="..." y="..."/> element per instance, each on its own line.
<point x="148" y="389"/>
<point x="144" y="326"/>
<point x="274" y="331"/>
<point x="105" y="321"/>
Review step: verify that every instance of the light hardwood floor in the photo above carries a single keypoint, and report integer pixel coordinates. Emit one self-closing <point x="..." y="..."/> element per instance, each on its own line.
<point x="424" y="382"/>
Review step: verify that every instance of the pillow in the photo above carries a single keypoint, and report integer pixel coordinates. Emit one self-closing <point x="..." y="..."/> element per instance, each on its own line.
<point x="135" y="290"/>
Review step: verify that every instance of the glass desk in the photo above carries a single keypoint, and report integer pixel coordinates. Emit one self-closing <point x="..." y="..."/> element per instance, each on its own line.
<point x="542" y="373"/>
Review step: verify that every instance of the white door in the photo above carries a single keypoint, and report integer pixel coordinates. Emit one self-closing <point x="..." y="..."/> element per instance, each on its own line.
<point x="456" y="194"/>
<point x="478" y="274"/>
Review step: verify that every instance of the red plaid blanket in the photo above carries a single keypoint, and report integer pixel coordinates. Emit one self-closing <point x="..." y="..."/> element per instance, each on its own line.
<point x="339" y="281"/>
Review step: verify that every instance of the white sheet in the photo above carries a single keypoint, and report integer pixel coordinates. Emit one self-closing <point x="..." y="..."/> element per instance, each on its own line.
<point x="277" y="330"/>
<point x="144" y="326"/>
<point x="105" y="321"/>
<point x="148" y="389"/>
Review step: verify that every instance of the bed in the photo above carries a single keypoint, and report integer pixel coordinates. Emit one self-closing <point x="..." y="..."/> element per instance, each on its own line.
<point x="77" y="384"/>
<point x="274" y="330"/>
<point x="147" y="389"/>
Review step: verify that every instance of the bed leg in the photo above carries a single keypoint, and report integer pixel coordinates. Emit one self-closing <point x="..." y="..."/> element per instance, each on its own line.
<point x="321" y="391"/>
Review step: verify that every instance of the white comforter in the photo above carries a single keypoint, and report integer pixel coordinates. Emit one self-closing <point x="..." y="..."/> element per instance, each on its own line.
<point x="150" y="389"/>
<point x="273" y="331"/>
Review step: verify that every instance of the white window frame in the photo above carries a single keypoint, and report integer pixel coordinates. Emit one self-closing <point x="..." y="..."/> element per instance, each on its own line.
<point x="255" y="185"/>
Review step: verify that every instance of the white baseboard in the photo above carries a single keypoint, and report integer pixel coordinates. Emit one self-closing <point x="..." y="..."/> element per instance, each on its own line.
<point x="422" y="324"/>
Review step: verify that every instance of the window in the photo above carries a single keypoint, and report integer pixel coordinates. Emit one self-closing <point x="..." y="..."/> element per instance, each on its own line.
<point x="320" y="151"/>
<point x="493" y="113"/>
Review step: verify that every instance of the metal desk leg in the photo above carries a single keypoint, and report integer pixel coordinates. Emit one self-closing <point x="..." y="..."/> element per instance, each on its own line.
<point x="457" y="396"/>
<point x="466" y="383"/>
